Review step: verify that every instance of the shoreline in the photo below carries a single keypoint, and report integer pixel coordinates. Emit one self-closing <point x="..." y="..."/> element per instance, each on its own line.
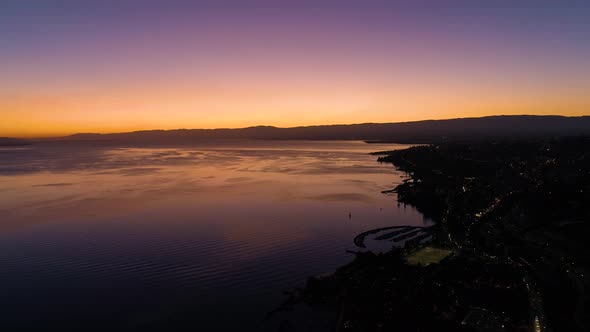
<point x="478" y="272"/>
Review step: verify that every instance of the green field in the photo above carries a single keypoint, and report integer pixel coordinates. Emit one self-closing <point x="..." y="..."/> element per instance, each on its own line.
<point x="427" y="255"/>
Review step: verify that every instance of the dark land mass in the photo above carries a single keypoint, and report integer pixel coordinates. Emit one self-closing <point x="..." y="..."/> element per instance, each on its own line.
<point x="516" y="216"/>
<point x="430" y="131"/>
<point x="526" y="201"/>
<point x="7" y="141"/>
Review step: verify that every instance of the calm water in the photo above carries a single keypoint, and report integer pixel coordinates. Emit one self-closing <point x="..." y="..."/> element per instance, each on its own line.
<point x="205" y="236"/>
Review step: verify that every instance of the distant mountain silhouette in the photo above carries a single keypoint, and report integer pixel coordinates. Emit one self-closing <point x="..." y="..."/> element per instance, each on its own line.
<point x="7" y="141"/>
<point x="428" y="131"/>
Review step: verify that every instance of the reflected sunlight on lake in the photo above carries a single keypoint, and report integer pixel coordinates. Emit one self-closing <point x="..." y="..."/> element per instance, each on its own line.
<point x="129" y="237"/>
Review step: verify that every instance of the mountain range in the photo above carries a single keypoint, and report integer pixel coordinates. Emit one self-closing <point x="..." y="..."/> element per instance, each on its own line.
<point x="428" y="131"/>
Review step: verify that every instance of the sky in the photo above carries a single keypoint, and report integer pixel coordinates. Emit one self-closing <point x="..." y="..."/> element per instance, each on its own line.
<point x="113" y="66"/>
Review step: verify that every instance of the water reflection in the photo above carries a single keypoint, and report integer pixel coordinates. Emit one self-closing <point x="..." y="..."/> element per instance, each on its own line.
<point x="142" y="236"/>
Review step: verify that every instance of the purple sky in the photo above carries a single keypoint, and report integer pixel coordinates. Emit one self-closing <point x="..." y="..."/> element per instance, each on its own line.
<point x="70" y="66"/>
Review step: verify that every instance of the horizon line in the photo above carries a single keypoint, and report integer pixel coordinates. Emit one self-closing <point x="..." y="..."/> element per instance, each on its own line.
<point x="301" y="126"/>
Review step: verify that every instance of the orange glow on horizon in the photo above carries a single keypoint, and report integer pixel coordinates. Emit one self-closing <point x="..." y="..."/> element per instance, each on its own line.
<point x="220" y="68"/>
<point x="151" y="109"/>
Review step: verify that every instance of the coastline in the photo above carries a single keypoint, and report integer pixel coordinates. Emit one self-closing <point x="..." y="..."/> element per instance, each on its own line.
<point x="463" y="280"/>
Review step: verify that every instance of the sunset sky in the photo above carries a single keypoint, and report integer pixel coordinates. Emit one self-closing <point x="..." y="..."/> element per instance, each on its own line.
<point x="110" y="66"/>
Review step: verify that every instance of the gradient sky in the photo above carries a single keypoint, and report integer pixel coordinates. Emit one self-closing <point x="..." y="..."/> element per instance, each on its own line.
<point x="108" y="66"/>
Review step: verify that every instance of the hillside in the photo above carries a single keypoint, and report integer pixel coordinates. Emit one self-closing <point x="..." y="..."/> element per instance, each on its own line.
<point x="428" y="131"/>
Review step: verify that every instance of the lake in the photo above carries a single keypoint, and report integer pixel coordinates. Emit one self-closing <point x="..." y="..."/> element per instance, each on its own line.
<point x="205" y="236"/>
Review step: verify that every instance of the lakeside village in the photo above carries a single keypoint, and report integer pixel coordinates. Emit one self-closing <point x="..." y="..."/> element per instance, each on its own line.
<point x="506" y="253"/>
